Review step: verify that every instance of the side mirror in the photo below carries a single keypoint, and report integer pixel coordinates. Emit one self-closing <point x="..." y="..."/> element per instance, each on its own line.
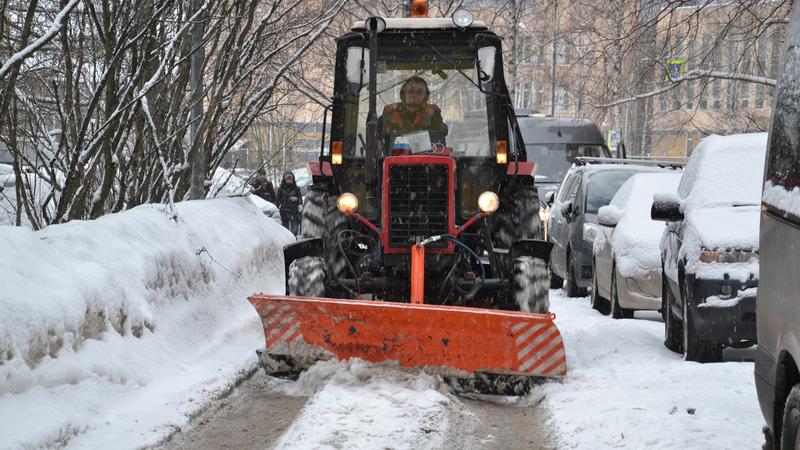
<point x="550" y="197"/>
<point x="566" y="210"/>
<point x="485" y="69"/>
<point x="357" y="67"/>
<point x="666" y="209"/>
<point x="608" y="216"/>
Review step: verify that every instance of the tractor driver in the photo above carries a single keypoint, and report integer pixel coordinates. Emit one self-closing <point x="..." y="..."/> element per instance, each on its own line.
<point x="413" y="113"/>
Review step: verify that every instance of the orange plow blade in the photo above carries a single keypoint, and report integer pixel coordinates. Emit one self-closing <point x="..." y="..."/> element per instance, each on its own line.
<point x="457" y="341"/>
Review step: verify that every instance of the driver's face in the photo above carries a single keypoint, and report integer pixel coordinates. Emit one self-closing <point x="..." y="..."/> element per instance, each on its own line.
<point x="415" y="94"/>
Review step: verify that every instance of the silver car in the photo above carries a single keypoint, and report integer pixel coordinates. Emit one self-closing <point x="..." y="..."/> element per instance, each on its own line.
<point x="626" y="254"/>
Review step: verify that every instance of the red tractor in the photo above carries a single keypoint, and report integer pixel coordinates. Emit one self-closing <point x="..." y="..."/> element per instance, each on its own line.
<point x="422" y="242"/>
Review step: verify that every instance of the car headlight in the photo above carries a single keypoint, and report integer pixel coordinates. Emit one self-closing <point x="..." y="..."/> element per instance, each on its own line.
<point x="347" y="203"/>
<point x="590" y="232"/>
<point x="488" y="202"/>
<point x="728" y="256"/>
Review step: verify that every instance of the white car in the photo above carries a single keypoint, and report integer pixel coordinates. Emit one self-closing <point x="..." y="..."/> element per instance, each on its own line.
<point x="626" y="254"/>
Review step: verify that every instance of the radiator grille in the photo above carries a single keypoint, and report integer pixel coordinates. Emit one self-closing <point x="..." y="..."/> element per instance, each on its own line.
<point x="418" y="203"/>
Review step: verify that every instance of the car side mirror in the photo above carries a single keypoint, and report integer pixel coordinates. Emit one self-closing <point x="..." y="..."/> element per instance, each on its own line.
<point x="666" y="209"/>
<point x="608" y="216"/>
<point x="566" y="210"/>
<point x="550" y="197"/>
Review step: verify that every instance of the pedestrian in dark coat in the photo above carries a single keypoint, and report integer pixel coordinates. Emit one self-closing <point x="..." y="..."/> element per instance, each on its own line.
<point x="289" y="201"/>
<point x="262" y="187"/>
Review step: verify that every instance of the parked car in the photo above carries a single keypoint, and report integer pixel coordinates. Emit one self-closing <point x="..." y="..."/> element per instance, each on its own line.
<point x="573" y="225"/>
<point x="626" y="254"/>
<point x="709" y="250"/>
<point x="778" y="309"/>
<point x="555" y="142"/>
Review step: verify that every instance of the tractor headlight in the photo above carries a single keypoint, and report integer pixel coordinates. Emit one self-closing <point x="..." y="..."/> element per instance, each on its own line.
<point x="488" y="202"/>
<point x="347" y="203"/>
<point x="462" y="18"/>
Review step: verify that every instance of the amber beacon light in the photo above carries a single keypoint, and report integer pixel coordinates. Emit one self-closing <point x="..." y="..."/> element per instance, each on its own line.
<point x="419" y="8"/>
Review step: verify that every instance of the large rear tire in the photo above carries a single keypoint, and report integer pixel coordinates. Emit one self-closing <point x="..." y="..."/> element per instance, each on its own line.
<point x="307" y="277"/>
<point x="530" y="283"/>
<point x="322" y="219"/>
<point x="518" y="217"/>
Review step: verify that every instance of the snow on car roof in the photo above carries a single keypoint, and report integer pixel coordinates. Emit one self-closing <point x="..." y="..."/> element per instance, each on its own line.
<point x="725" y="170"/>
<point x="420" y="23"/>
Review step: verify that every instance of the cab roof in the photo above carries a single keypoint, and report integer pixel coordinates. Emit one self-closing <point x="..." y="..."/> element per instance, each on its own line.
<point x="421" y="23"/>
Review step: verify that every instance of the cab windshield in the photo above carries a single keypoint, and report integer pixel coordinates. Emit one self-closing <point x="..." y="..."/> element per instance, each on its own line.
<point x="451" y="117"/>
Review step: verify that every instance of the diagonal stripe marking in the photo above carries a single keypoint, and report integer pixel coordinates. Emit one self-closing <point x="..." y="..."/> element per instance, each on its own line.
<point x="537" y="339"/>
<point x="546" y="342"/>
<point x="524" y="336"/>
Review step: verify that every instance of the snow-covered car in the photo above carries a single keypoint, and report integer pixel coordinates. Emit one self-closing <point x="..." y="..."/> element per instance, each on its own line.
<point x="777" y="308"/>
<point x="627" y="258"/>
<point x="709" y="249"/>
<point x="572" y="224"/>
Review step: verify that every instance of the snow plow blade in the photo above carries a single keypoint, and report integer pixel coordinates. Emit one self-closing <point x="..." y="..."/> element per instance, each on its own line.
<point x="487" y="351"/>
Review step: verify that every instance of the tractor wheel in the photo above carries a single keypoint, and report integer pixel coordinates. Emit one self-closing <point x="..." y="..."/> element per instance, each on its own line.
<point x="518" y="217"/>
<point x="322" y="219"/>
<point x="530" y="283"/>
<point x="307" y="277"/>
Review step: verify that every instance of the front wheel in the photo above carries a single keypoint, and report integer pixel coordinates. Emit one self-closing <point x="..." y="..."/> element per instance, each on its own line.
<point x="307" y="277"/>
<point x="672" y="327"/>
<point x="598" y="303"/>
<point x="695" y="349"/>
<point x="617" y="311"/>
<point x="530" y="283"/>
<point x="572" y="280"/>
<point x="790" y="434"/>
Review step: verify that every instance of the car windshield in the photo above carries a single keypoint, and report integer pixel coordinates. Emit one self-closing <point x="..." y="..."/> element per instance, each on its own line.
<point x="450" y="116"/>
<point x="602" y="187"/>
<point x="553" y="160"/>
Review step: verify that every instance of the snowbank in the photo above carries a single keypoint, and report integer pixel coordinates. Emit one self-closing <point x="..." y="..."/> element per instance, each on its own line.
<point x="626" y="390"/>
<point x="108" y="325"/>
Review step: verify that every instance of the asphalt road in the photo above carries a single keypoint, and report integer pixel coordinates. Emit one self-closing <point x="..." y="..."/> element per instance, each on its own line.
<point x="254" y="416"/>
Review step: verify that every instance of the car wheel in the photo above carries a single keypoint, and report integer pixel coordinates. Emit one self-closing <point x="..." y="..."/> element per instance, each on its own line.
<point x="672" y="326"/>
<point x="790" y="434"/>
<point x="617" y="311"/>
<point x="695" y="349"/>
<point x="572" y="281"/>
<point x="556" y="282"/>
<point x="598" y="303"/>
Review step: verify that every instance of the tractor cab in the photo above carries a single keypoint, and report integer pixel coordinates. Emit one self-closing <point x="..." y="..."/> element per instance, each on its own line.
<point x="439" y="92"/>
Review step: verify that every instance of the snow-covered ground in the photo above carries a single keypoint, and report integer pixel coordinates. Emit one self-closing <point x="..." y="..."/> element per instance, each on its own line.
<point x="115" y="332"/>
<point x="626" y="390"/>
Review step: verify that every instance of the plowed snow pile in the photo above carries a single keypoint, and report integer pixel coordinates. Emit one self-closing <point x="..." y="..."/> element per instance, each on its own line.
<point x="361" y="405"/>
<point x="113" y="328"/>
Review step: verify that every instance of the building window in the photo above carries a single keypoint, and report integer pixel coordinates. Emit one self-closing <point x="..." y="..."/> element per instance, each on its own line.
<point x="716" y="93"/>
<point x="704" y="56"/>
<point x="732" y="68"/>
<point x="562" y="52"/>
<point x="523" y="94"/>
<point x="690" y="59"/>
<point x="524" y="48"/>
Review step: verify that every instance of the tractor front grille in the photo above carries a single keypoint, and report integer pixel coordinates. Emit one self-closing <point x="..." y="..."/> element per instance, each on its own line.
<point x="418" y="203"/>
